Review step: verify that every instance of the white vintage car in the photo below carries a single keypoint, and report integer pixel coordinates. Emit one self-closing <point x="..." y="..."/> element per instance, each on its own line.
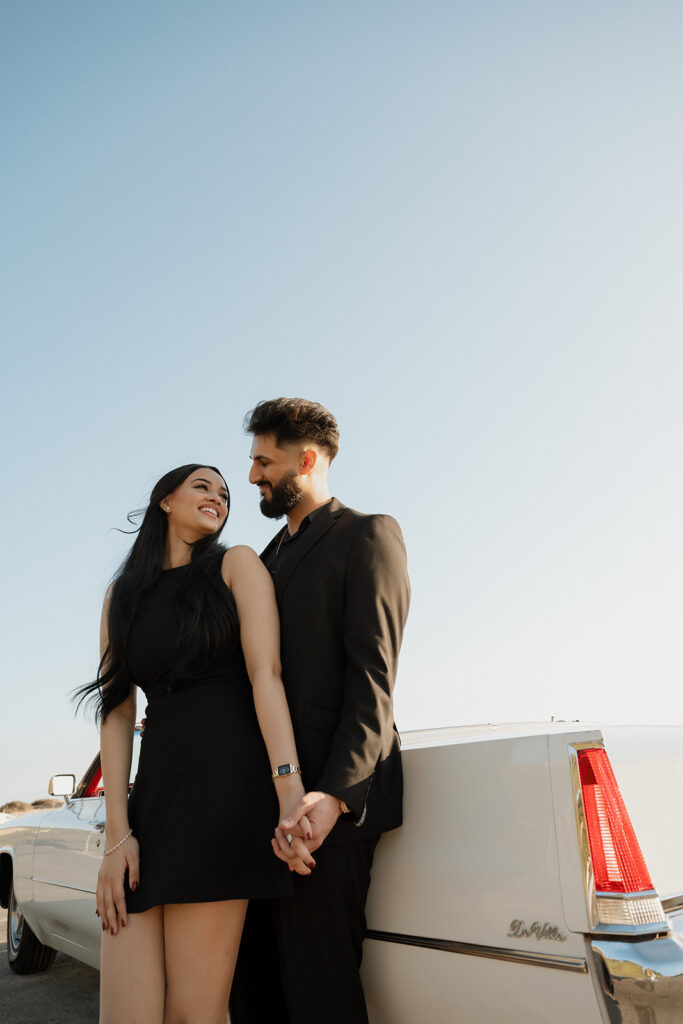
<point x="526" y="885"/>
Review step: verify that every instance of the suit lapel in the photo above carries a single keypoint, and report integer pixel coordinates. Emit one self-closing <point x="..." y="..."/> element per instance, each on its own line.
<point x="317" y="529"/>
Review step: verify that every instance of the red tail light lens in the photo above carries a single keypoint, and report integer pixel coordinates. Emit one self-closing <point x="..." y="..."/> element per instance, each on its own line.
<point x="618" y="864"/>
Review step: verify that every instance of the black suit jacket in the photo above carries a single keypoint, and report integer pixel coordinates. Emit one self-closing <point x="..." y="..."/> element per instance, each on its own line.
<point x="343" y="597"/>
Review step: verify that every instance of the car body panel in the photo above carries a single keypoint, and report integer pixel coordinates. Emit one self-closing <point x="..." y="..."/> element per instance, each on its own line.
<point x="480" y="851"/>
<point x="404" y="985"/>
<point x="68" y="851"/>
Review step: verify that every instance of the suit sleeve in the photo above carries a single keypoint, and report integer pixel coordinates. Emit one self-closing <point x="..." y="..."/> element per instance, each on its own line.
<point x="377" y="595"/>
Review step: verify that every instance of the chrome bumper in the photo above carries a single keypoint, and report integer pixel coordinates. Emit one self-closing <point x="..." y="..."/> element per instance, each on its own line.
<point x="641" y="981"/>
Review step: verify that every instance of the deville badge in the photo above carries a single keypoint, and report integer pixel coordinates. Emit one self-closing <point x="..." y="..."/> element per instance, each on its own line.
<point x="518" y="930"/>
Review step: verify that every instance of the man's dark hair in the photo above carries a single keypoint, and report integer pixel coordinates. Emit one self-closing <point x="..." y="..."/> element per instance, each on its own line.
<point x="295" y="419"/>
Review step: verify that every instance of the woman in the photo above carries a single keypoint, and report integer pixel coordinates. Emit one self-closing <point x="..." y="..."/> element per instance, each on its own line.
<point x="193" y="625"/>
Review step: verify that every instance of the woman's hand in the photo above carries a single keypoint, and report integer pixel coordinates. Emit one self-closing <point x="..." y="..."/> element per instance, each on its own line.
<point x="110" y="898"/>
<point x="294" y="852"/>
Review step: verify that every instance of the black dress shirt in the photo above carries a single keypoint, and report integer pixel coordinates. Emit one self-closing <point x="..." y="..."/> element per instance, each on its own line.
<point x="284" y="549"/>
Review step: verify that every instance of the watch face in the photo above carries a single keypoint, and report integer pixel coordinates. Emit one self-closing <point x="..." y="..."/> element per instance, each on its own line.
<point x="283" y="769"/>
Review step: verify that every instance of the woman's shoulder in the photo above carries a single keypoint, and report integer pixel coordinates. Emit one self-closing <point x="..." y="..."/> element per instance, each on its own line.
<point x="240" y="552"/>
<point x="108" y="594"/>
<point x="238" y="560"/>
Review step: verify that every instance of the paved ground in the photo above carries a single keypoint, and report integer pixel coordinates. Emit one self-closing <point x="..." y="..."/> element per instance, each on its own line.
<point x="66" y="993"/>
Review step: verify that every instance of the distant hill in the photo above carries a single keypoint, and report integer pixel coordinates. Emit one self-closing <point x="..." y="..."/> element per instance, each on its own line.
<point x="14" y="808"/>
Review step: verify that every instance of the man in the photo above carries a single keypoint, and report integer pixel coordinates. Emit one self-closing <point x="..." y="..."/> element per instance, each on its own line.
<point x="342" y="589"/>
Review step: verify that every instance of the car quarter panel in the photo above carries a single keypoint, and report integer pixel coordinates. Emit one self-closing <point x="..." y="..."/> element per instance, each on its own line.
<point x="17" y="840"/>
<point x="404" y="985"/>
<point x="474" y="872"/>
<point x="477" y="852"/>
<point x="68" y="850"/>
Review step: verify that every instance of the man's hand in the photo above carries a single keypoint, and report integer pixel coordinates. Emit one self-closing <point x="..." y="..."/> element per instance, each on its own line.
<point x="321" y="810"/>
<point x="292" y="847"/>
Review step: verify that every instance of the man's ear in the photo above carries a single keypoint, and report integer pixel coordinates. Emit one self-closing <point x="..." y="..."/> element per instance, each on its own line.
<point x="308" y="461"/>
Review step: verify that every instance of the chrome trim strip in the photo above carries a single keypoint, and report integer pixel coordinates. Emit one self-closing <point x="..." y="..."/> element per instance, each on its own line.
<point x="63" y="885"/>
<point x="673" y="904"/>
<point x="631" y="931"/>
<point x="515" y="956"/>
<point x="644" y="895"/>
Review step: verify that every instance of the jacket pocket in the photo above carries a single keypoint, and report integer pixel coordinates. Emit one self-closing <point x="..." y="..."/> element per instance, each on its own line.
<point x="317" y="716"/>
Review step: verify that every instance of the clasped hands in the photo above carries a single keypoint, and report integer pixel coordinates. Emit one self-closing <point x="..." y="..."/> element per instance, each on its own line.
<point x="308" y="823"/>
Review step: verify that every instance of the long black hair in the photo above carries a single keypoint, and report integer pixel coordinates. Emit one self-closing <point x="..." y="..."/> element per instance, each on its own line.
<point x="206" y="608"/>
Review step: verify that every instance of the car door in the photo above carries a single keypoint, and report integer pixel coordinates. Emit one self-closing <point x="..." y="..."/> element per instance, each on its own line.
<point x="68" y="849"/>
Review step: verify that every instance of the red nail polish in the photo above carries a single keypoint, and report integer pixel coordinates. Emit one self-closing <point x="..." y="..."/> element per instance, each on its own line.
<point x="311" y="865"/>
<point x="104" y="927"/>
<point x="112" y="930"/>
<point x="309" y="835"/>
<point x="134" y="886"/>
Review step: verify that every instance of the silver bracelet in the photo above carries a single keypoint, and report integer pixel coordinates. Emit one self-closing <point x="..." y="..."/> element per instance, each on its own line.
<point x="120" y="843"/>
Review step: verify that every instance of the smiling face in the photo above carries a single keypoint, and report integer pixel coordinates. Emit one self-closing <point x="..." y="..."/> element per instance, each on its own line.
<point x="274" y="471"/>
<point x="199" y="506"/>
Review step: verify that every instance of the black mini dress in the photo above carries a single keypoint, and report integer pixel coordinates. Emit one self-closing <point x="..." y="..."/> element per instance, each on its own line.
<point x="203" y="805"/>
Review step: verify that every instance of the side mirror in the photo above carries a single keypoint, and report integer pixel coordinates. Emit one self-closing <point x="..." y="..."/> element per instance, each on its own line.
<point x="62" y="785"/>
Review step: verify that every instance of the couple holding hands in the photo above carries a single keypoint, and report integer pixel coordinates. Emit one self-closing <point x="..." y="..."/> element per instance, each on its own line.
<point x="269" y="703"/>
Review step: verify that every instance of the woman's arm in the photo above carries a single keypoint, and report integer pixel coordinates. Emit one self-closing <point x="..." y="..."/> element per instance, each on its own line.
<point x="252" y="588"/>
<point x="116" y="749"/>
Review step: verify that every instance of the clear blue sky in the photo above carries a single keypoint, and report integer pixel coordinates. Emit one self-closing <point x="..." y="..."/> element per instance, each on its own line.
<point x="458" y="226"/>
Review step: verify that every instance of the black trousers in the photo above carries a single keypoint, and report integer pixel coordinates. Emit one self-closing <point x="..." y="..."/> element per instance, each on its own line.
<point x="300" y="956"/>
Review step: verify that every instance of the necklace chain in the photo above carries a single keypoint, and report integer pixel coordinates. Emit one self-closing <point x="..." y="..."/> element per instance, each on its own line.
<point x="284" y="534"/>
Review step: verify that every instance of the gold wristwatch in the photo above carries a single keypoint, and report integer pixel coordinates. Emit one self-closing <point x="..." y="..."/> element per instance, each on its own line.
<point x="285" y="769"/>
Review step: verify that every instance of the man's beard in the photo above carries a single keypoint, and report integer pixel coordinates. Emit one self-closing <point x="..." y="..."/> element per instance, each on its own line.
<point x="284" y="496"/>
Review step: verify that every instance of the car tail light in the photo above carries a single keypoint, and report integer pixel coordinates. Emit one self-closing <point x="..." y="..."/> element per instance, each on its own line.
<point x="623" y="894"/>
<point x="618" y="864"/>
